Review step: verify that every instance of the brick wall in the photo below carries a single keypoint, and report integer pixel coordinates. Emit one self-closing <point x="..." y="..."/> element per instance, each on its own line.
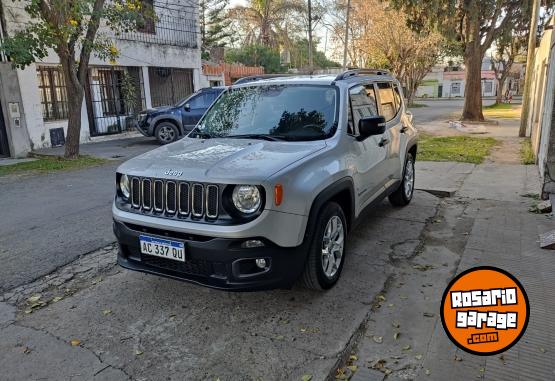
<point x="232" y="72"/>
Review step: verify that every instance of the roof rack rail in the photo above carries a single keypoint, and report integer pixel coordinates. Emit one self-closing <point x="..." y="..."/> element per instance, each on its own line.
<point x="354" y="72"/>
<point x="259" y="77"/>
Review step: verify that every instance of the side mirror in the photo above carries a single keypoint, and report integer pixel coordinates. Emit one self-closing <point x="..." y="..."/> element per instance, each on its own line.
<point x="187" y="107"/>
<point x="410" y="116"/>
<point x="374" y="125"/>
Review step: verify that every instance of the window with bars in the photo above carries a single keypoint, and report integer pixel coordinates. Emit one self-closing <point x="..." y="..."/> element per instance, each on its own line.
<point x="53" y="93"/>
<point x="109" y="84"/>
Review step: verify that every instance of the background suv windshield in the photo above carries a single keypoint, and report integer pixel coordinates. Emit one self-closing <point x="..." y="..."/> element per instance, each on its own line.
<point x="289" y="112"/>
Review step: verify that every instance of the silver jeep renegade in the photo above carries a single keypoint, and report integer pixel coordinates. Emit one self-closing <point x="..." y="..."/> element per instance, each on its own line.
<point x="266" y="187"/>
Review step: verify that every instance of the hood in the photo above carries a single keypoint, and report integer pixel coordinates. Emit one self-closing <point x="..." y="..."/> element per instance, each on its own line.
<point x="219" y="159"/>
<point x="159" y="109"/>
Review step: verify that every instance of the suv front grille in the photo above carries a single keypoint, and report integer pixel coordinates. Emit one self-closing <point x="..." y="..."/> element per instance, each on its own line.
<point x="175" y="198"/>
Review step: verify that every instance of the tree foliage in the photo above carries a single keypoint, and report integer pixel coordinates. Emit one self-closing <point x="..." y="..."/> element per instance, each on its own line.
<point x="409" y="54"/>
<point x="256" y="55"/>
<point x="470" y="26"/>
<point x="214" y="23"/>
<point x="266" y="22"/>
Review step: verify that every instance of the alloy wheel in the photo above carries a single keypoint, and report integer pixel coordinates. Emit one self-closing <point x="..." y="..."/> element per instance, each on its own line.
<point x="332" y="246"/>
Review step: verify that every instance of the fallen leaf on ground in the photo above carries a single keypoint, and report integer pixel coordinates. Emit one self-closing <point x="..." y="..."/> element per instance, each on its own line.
<point x="353" y="368"/>
<point x="377" y="339"/>
<point x="381" y="298"/>
<point x="406" y="348"/>
<point x="395" y="324"/>
<point x="306" y="377"/>
<point x="429" y="314"/>
<point x="106" y="312"/>
<point x="57" y="299"/>
<point x="482" y="370"/>
<point x="418" y="357"/>
<point x="280" y="337"/>
<point x="353" y="357"/>
<point x="458" y="358"/>
<point x="428" y="372"/>
<point x="542" y="350"/>
<point x="26" y="350"/>
<point x="423" y="267"/>
<point x="138" y="352"/>
<point x="34" y="298"/>
<point x="396" y="335"/>
<point x="75" y="342"/>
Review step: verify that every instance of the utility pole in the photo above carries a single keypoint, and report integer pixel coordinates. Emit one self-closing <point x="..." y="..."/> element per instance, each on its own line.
<point x="529" y="68"/>
<point x="310" y="58"/>
<point x="346" y="35"/>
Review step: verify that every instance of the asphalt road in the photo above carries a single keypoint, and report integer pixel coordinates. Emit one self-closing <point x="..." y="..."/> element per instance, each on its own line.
<point x="440" y="109"/>
<point x="49" y="220"/>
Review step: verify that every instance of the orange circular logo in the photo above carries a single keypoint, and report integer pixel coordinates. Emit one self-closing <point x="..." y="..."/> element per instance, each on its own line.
<point x="485" y="310"/>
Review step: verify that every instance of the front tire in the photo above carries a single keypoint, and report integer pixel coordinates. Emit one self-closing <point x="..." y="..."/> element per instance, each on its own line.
<point x="403" y="195"/>
<point x="166" y="133"/>
<point x="327" y="249"/>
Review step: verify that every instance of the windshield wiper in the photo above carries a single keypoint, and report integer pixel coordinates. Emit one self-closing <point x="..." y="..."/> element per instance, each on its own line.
<point x="271" y="138"/>
<point x="203" y="135"/>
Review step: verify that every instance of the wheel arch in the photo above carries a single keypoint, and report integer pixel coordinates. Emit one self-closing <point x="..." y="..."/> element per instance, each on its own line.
<point x="167" y="119"/>
<point x="342" y="192"/>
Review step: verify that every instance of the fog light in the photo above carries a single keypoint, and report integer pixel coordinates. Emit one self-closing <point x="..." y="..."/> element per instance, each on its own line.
<point x="252" y="243"/>
<point x="261" y="263"/>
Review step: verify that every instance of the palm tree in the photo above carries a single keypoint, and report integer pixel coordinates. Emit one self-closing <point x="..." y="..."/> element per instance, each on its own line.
<point x="264" y="20"/>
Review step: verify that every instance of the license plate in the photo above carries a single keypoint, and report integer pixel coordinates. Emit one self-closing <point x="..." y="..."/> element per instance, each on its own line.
<point x="163" y="248"/>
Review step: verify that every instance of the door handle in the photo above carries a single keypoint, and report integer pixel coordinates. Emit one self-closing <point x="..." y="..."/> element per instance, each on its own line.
<point x="404" y="129"/>
<point x="383" y="142"/>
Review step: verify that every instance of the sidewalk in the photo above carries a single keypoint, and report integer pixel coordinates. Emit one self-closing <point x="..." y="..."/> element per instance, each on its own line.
<point x="121" y="149"/>
<point x="486" y="222"/>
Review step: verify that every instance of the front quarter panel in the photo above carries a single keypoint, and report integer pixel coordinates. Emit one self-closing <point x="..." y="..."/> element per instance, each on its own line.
<point x="304" y="180"/>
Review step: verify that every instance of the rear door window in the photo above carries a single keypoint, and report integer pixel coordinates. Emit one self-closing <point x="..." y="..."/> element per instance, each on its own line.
<point x="398" y="98"/>
<point x="363" y="105"/>
<point x="387" y="100"/>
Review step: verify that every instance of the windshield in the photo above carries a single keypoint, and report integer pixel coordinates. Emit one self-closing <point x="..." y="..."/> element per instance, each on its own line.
<point x="276" y="112"/>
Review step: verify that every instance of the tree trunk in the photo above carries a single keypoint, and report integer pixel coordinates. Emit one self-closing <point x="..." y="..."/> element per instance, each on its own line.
<point x="75" y="96"/>
<point x="472" y="110"/>
<point x="499" y="96"/>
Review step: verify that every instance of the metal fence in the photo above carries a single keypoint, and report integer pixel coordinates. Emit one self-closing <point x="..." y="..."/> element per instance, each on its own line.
<point x="169" y="85"/>
<point x="114" y="96"/>
<point x="167" y="30"/>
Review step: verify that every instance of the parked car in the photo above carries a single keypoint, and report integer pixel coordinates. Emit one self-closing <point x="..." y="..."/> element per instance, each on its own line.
<point x="265" y="189"/>
<point x="169" y="123"/>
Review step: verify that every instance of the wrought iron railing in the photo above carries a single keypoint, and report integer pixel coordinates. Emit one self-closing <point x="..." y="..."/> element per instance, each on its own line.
<point x="167" y="30"/>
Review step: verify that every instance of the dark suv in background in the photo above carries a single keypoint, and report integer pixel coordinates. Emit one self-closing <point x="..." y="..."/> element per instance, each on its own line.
<point x="169" y="123"/>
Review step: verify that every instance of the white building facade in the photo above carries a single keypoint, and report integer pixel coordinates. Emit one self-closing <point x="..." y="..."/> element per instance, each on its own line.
<point x="158" y="65"/>
<point x="449" y="82"/>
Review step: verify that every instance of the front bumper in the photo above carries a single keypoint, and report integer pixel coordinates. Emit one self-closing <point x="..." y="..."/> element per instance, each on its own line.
<point x="143" y="126"/>
<point x="214" y="262"/>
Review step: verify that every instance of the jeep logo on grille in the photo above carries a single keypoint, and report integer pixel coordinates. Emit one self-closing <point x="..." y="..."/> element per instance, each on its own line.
<point x="171" y="172"/>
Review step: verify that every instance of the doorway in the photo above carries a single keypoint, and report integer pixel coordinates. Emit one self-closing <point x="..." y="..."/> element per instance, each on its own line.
<point x="4" y="146"/>
<point x="440" y="91"/>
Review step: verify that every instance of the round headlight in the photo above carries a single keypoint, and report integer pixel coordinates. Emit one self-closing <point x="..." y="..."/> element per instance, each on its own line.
<point x="246" y="198"/>
<point x="124" y="185"/>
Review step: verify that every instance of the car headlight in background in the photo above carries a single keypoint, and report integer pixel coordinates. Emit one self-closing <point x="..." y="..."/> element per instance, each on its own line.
<point x="246" y="198"/>
<point x="124" y="185"/>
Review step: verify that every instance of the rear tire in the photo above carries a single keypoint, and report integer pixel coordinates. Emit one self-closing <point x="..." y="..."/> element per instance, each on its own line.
<point x="326" y="253"/>
<point x="403" y="195"/>
<point x="166" y="132"/>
